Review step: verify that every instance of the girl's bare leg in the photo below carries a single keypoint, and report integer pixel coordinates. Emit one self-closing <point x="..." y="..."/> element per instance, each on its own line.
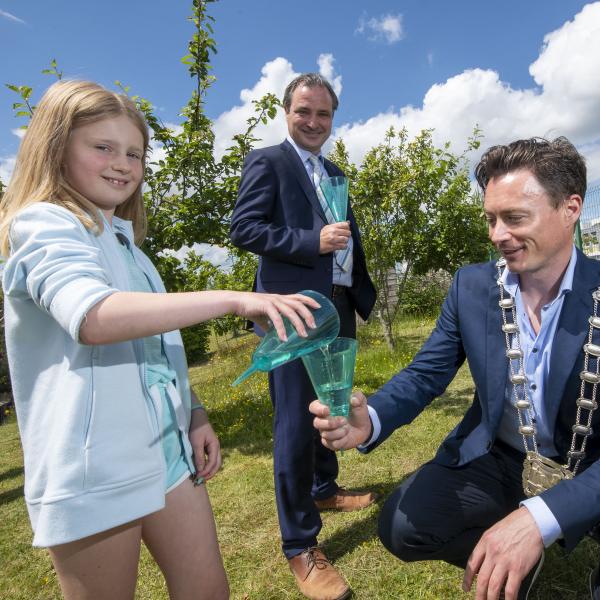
<point x="103" y="566"/>
<point x="183" y="540"/>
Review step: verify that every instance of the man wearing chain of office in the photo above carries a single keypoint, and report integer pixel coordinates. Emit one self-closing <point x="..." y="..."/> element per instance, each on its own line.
<point x="521" y="470"/>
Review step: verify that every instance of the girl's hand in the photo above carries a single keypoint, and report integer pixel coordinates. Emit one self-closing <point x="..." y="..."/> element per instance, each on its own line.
<point x="207" y="450"/>
<point x="267" y="309"/>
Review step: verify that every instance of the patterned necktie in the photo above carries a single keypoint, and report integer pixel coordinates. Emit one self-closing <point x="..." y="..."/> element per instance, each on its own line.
<point x="342" y="257"/>
<point x="317" y="175"/>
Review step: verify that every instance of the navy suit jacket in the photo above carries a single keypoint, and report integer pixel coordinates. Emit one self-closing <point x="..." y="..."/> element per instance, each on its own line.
<point x="279" y="217"/>
<point x="469" y="327"/>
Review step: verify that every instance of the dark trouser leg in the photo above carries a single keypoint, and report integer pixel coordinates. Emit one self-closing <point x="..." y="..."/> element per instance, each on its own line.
<point x="296" y="461"/>
<point x="347" y="315"/>
<point x="439" y="513"/>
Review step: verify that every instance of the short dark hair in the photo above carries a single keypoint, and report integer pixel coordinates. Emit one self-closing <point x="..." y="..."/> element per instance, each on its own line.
<point x="308" y="80"/>
<point x="556" y="164"/>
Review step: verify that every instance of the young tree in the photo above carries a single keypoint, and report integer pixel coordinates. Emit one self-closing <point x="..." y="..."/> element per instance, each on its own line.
<point x="417" y="212"/>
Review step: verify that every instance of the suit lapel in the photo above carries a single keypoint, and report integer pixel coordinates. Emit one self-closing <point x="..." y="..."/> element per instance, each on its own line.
<point x="496" y="360"/>
<point x="331" y="169"/>
<point x="295" y="164"/>
<point x="571" y="332"/>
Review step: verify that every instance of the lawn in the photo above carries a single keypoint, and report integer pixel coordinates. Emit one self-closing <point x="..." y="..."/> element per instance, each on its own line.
<point x="242" y="494"/>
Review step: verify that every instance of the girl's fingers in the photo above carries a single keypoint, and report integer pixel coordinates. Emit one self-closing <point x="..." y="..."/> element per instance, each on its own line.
<point x="293" y="317"/>
<point x="274" y="307"/>
<point x="277" y="322"/>
<point x="199" y="460"/>
<point x="213" y="462"/>
<point x="306" y="300"/>
<point x="301" y="304"/>
<point x="296" y="309"/>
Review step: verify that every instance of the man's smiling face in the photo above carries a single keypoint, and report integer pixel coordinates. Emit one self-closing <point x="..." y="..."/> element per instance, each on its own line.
<point x="310" y="117"/>
<point x="524" y="225"/>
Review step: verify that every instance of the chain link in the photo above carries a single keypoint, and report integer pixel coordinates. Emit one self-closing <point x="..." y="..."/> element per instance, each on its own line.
<point x="519" y="380"/>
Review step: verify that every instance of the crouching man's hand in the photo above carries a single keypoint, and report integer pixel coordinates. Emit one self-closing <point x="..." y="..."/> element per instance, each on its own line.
<point x="505" y="554"/>
<point x="341" y="433"/>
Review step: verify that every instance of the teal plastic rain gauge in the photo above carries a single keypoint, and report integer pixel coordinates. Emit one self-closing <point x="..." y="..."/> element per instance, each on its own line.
<point x="273" y="352"/>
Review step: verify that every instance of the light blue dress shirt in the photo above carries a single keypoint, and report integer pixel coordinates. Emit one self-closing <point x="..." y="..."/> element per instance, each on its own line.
<point x="536" y="361"/>
<point x="537" y="350"/>
<point x="340" y="277"/>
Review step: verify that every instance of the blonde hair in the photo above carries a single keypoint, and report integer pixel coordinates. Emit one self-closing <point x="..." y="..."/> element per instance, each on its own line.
<point x="38" y="175"/>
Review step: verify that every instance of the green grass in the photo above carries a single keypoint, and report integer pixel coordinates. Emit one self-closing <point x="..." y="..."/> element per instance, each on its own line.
<point x="243" y="500"/>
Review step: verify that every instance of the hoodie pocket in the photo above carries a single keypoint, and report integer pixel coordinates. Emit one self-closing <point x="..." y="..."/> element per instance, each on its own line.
<point x="120" y="445"/>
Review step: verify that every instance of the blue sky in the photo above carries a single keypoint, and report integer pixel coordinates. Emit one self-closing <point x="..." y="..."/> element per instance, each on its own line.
<point x="514" y="68"/>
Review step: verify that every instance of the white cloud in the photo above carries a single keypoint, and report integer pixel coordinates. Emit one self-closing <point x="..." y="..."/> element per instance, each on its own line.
<point x="7" y="166"/>
<point x="275" y="75"/>
<point x="10" y="17"/>
<point x="216" y="255"/>
<point x="592" y="157"/>
<point x="386" y="27"/>
<point x="565" y="100"/>
<point x="326" y="68"/>
<point x="7" y="163"/>
<point x="213" y="254"/>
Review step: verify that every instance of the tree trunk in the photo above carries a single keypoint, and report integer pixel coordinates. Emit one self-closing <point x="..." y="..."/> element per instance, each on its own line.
<point x="386" y="324"/>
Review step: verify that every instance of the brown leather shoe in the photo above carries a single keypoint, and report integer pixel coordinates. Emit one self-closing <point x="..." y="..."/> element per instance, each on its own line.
<point x="317" y="578"/>
<point x="347" y="500"/>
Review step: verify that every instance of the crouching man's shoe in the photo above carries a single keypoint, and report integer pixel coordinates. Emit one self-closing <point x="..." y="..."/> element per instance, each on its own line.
<point x="347" y="500"/>
<point x="317" y="578"/>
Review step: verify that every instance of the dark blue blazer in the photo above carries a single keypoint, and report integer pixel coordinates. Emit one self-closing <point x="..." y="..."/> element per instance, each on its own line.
<point x="278" y="216"/>
<point x="469" y="327"/>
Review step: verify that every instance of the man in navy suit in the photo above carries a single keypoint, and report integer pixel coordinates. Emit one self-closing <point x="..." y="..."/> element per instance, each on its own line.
<point x="522" y="324"/>
<point x="282" y="216"/>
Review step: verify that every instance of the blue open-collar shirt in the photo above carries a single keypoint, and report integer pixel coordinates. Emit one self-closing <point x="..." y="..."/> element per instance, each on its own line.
<point x="537" y="350"/>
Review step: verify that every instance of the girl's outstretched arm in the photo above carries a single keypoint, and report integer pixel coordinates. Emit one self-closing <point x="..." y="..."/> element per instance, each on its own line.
<point x="125" y="316"/>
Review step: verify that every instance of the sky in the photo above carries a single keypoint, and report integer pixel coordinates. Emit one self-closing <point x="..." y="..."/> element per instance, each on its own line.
<point x="513" y="68"/>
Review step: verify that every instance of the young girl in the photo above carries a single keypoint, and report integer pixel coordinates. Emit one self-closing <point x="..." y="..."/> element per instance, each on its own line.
<point x="115" y="442"/>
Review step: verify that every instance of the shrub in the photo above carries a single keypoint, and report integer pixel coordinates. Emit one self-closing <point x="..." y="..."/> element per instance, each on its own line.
<point x="423" y="294"/>
<point x="195" y="340"/>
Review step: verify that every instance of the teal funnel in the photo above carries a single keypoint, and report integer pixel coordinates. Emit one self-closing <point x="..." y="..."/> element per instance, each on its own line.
<point x="273" y="352"/>
<point x="335" y="190"/>
<point x="331" y="371"/>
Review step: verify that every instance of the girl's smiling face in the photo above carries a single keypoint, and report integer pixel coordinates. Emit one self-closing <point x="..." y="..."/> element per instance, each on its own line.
<point x="104" y="162"/>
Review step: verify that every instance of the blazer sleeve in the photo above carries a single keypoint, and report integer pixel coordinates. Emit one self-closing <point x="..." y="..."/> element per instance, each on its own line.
<point x="403" y="398"/>
<point x="257" y="222"/>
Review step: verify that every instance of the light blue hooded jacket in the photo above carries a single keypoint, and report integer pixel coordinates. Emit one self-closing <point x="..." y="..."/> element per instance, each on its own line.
<point x="89" y="427"/>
